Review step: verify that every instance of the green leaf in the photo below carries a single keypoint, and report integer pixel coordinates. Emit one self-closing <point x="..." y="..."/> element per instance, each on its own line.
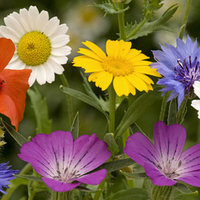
<point x="136" y="110"/>
<point x="20" y="139"/>
<point x="83" y="97"/>
<point x="30" y="178"/>
<point x="44" y="124"/>
<point x="116" y="164"/>
<point x="112" y="145"/>
<point x="138" y="30"/>
<point x="75" y="126"/>
<point x="103" y="104"/>
<point x="184" y="189"/>
<point x="130" y="194"/>
<point x="110" y="8"/>
<point x="135" y="175"/>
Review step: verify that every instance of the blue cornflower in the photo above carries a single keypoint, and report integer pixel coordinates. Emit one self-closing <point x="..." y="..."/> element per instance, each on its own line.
<point x="180" y="68"/>
<point x="5" y="176"/>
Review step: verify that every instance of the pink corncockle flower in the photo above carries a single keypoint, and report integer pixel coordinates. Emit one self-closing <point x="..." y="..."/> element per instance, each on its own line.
<point x="63" y="163"/>
<point x="164" y="162"/>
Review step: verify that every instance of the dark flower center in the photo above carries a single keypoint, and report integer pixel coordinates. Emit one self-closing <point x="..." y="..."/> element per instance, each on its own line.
<point x="1" y="83"/>
<point x="187" y="72"/>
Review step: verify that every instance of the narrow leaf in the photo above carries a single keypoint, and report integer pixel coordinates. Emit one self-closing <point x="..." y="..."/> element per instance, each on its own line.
<point x="136" y="110"/>
<point x="112" y="145"/>
<point x="135" y="175"/>
<point x="83" y="97"/>
<point x="75" y="126"/>
<point x="116" y="164"/>
<point x="30" y="178"/>
<point x="20" y="139"/>
<point x="40" y="108"/>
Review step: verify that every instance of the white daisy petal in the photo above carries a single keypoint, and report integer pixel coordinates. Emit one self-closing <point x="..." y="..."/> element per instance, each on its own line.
<point x="42" y="20"/>
<point x="62" y="59"/>
<point x="41" y="43"/>
<point x="17" y="64"/>
<point x="61" y="51"/>
<point x="57" y="68"/>
<point x="60" y="41"/>
<point x="12" y="21"/>
<point x="9" y="33"/>
<point x="51" y="26"/>
<point x="197" y="88"/>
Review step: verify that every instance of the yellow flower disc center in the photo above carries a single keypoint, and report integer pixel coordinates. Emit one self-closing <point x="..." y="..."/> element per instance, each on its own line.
<point x="117" y="67"/>
<point x="34" y="48"/>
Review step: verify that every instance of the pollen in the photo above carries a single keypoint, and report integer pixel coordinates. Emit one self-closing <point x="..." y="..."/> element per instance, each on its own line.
<point x="34" y="48"/>
<point x="117" y="67"/>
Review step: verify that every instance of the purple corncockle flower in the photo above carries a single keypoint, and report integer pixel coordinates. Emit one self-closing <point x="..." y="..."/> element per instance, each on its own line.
<point x="164" y="162"/>
<point x="5" y="176"/>
<point x="180" y="67"/>
<point x="63" y="163"/>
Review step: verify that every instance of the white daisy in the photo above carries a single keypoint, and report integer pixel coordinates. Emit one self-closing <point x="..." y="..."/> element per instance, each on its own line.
<point x="41" y="43"/>
<point x="196" y="103"/>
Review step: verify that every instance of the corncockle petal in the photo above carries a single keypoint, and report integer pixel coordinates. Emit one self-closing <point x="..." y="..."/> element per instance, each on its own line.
<point x="59" y="186"/>
<point x="171" y="164"/>
<point x="169" y="140"/>
<point x="93" y="178"/>
<point x="140" y="149"/>
<point x="157" y="177"/>
<point x="62" y="161"/>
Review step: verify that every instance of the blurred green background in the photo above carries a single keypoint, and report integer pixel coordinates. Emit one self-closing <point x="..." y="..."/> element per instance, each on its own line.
<point x="89" y="23"/>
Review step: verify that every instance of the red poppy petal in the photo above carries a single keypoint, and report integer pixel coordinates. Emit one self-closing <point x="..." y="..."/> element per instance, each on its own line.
<point x="13" y="94"/>
<point x="7" y="49"/>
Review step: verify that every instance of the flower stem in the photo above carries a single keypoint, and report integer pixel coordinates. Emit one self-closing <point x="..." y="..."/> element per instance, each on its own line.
<point x="100" y="189"/>
<point x="121" y="23"/>
<point x="182" y="111"/>
<point x="185" y="18"/>
<point x="163" y="106"/>
<point x="112" y="103"/>
<point x="69" y="101"/>
<point x="162" y="192"/>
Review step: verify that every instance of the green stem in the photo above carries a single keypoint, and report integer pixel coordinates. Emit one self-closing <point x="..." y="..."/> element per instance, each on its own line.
<point x="182" y="111"/>
<point x="69" y="101"/>
<point x="100" y="189"/>
<point x="163" y="106"/>
<point x="137" y="29"/>
<point x="185" y="18"/>
<point x="162" y="192"/>
<point x="112" y="105"/>
<point x="121" y="23"/>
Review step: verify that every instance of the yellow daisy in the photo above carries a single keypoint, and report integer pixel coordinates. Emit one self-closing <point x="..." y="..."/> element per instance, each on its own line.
<point x="124" y="66"/>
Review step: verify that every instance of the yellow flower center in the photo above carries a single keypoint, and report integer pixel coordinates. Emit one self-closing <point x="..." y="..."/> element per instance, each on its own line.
<point x="117" y="66"/>
<point x="34" y="48"/>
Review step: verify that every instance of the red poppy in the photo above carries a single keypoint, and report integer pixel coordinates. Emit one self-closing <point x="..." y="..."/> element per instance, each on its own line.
<point x="13" y="85"/>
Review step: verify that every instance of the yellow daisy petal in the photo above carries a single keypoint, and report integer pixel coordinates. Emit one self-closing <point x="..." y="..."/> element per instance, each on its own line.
<point x="121" y="86"/>
<point x="101" y="79"/>
<point x="90" y="54"/>
<point x="137" y="82"/>
<point x="126" y="67"/>
<point x="112" y="48"/>
<point x="146" y="70"/>
<point x="95" y="49"/>
<point x="90" y="65"/>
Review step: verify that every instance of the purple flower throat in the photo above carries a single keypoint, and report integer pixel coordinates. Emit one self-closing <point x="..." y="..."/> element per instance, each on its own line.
<point x="187" y="72"/>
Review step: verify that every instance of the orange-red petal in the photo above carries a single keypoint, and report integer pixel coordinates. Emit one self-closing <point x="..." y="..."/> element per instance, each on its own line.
<point x="7" y="49"/>
<point x="13" y="93"/>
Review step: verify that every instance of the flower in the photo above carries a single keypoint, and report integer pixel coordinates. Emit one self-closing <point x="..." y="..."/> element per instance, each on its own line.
<point x="13" y="85"/>
<point x="179" y="66"/>
<point x="5" y="176"/>
<point x="196" y="103"/>
<point x="164" y="161"/>
<point x="65" y="164"/>
<point x="41" y="44"/>
<point x="122" y="65"/>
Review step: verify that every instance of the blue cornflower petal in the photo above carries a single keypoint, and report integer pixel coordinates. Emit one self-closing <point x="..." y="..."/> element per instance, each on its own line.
<point x="5" y="176"/>
<point x="180" y="67"/>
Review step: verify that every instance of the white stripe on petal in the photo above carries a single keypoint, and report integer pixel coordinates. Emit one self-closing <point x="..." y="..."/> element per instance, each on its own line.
<point x="50" y="76"/>
<point x="60" y="59"/>
<point x="32" y="16"/>
<point x="42" y="20"/>
<point x="24" y="19"/>
<point x="41" y="74"/>
<point x="58" y="69"/>
<point x="63" y="51"/>
<point x="7" y="32"/>
<point x="17" y="64"/>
